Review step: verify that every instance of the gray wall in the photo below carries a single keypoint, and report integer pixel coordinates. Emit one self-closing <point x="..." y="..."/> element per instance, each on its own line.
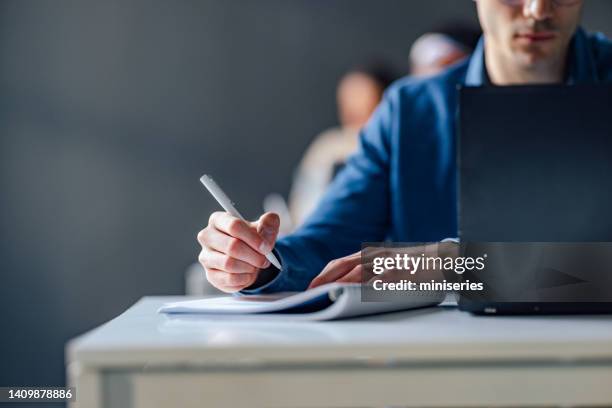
<point x="111" y="110"/>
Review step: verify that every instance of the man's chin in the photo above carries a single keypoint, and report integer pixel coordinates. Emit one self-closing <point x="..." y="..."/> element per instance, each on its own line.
<point x="534" y="56"/>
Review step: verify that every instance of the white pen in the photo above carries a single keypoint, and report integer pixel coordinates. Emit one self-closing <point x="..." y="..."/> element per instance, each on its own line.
<point x="222" y="198"/>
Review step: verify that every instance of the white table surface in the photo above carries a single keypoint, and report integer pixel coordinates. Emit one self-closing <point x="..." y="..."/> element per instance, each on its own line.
<point x="424" y="358"/>
<point x="141" y="336"/>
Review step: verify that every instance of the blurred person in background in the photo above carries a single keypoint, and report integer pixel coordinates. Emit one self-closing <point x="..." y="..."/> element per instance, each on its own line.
<point x="442" y="47"/>
<point x="401" y="184"/>
<point x="358" y="93"/>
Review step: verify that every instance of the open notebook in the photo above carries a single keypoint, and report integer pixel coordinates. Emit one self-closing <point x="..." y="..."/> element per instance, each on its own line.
<point x="327" y="302"/>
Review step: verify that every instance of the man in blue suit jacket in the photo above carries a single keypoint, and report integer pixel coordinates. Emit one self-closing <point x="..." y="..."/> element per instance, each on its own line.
<point x="401" y="184"/>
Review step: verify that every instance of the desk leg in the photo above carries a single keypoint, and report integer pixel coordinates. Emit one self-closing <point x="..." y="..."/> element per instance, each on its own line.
<point x="87" y="384"/>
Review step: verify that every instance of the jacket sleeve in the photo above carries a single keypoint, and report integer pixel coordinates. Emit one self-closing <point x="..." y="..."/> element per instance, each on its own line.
<point x="354" y="210"/>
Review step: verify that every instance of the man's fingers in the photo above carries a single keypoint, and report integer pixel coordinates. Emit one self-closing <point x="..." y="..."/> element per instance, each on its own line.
<point x="268" y="226"/>
<point x="354" y="276"/>
<point x="237" y="228"/>
<point x="230" y="282"/>
<point x="233" y="251"/>
<point x="235" y="248"/>
<point x="212" y="259"/>
<point x="335" y="270"/>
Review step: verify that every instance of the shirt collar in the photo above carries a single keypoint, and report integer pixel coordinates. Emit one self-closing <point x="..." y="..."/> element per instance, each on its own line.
<point x="581" y="67"/>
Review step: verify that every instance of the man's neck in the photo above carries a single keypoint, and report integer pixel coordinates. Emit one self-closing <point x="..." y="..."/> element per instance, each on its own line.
<point x="504" y="72"/>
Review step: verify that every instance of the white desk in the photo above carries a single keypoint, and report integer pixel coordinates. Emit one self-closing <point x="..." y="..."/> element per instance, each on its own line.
<point x="431" y="357"/>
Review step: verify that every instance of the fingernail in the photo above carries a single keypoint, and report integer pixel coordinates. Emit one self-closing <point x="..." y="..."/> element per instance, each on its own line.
<point x="264" y="248"/>
<point x="267" y="264"/>
<point x="268" y="233"/>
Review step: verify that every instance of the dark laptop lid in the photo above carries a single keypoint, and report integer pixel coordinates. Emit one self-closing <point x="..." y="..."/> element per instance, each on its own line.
<point x="535" y="163"/>
<point x="535" y="169"/>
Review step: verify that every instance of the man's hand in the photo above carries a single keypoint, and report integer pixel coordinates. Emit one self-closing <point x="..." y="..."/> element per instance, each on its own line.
<point x="344" y="270"/>
<point x="351" y="270"/>
<point x="233" y="251"/>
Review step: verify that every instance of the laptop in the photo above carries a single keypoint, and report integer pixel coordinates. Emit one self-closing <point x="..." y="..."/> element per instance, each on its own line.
<point x="535" y="197"/>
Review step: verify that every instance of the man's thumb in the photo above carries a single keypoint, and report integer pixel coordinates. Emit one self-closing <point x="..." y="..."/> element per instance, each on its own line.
<point x="268" y="226"/>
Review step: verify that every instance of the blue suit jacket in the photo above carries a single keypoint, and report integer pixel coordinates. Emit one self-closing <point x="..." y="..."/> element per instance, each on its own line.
<point x="401" y="184"/>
